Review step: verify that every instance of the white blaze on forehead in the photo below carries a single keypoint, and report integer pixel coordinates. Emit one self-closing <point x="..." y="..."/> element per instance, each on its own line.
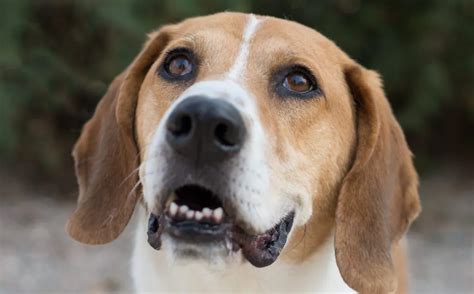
<point x="241" y="60"/>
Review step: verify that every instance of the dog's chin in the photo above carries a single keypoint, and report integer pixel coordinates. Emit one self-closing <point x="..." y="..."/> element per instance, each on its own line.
<point x="214" y="255"/>
<point x="194" y="224"/>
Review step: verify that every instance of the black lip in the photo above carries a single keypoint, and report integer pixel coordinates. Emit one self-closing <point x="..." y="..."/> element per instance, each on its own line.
<point x="263" y="250"/>
<point x="155" y="229"/>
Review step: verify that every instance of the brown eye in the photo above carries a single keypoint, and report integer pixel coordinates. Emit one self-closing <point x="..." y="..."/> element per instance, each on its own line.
<point x="179" y="65"/>
<point x="298" y="82"/>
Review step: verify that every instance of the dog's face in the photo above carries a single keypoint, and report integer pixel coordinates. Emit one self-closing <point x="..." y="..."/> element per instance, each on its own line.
<point x="241" y="118"/>
<point x="245" y="130"/>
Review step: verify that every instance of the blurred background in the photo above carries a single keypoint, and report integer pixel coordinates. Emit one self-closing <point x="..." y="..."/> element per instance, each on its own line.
<point x="57" y="58"/>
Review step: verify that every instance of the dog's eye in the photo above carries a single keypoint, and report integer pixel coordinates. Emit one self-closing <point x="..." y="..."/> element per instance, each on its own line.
<point x="295" y="81"/>
<point x="179" y="65"/>
<point x="298" y="82"/>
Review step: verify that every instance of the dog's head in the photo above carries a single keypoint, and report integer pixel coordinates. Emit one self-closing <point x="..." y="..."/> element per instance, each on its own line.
<point x="240" y="132"/>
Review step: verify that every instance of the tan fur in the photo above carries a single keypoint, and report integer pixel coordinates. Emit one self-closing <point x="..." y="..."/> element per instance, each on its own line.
<point x="378" y="198"/>
<point x="346" y="147"/>
<point x="399" y="253"/>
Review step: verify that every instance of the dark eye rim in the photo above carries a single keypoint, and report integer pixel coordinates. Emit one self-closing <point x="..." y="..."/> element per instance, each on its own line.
<point x="281" y="75"/>
<point x="163" y="69"/>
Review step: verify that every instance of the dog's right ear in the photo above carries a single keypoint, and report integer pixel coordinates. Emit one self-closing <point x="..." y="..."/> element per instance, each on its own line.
<point x="107" y="156"/>
<point x="379" y="196"/>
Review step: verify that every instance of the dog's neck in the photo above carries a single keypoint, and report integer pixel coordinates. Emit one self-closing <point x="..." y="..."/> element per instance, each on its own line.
<point x="154" y="271"/>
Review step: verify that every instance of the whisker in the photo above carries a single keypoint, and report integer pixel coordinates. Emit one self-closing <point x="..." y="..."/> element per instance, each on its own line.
<point x="132" y="173"/>
<point x="134" y="188"/>
<point x="136" y="170"/>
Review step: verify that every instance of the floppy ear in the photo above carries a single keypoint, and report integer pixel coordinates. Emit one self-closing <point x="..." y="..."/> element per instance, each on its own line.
<point x="107" y="157"/>
<point x="379" y="198"/>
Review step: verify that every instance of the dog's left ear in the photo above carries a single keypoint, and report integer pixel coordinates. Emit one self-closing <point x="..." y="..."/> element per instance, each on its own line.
<point x="107" y="156"/>
<point x="379" y="198"/>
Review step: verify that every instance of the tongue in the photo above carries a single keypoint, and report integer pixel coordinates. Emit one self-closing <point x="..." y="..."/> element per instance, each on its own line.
<point x="262" y="250"/>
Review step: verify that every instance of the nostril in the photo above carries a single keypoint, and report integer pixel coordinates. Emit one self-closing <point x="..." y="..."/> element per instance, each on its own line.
<point x="220" y="133"/>
<point x="225" y="135"/>
<point x="181" y="125"/>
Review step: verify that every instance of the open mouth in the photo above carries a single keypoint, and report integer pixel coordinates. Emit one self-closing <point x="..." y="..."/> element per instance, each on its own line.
<point x="195" y="214"/>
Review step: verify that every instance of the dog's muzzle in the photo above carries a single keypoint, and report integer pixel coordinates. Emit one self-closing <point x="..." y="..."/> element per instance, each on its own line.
<point x="205" y="136"/>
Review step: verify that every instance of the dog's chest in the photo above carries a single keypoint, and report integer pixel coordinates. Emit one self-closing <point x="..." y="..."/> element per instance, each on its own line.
<point x="153" y="271"/>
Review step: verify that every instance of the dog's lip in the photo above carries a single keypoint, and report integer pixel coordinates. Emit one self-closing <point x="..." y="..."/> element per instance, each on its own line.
<point x="260" y="250"/>
<point x="263" y="249"/>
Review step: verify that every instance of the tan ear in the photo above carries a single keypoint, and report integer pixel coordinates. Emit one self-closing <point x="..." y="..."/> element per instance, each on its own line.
<point x="379" y="198"/>
<point x="107" y="158"/>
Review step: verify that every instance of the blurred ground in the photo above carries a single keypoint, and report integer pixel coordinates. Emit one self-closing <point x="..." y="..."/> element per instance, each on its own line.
<point x="37" y="255"/>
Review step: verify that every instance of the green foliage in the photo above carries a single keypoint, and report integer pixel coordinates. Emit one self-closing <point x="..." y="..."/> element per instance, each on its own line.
<point x="57" y="57"/>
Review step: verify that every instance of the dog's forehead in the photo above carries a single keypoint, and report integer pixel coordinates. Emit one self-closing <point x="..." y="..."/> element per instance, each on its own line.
<point x="269" y="36"/>
<point x="281" y="40"/>
<point x="231" y="24"/>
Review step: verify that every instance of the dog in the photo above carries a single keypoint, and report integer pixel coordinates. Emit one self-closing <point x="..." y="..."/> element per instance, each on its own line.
<point x="262" y="158"/>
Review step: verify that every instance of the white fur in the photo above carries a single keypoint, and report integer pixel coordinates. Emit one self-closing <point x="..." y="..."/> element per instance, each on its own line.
<point x="241" y="60"/>
<point x="154" y="271"/>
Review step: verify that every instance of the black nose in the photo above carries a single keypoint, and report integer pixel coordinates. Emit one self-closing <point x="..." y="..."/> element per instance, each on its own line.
<point x="205" y="130"/>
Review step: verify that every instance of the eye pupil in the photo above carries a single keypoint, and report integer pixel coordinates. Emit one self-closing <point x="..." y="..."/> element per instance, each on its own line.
<point x="179" y="66"/>
<point x="297" y="82"/>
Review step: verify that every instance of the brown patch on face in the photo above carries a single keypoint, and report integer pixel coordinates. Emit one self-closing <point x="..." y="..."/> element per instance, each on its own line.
<point x="312" y="138"/>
